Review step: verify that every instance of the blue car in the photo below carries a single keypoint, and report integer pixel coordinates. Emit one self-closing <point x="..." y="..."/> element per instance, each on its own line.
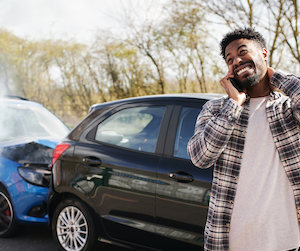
<point x="28" y="135"/>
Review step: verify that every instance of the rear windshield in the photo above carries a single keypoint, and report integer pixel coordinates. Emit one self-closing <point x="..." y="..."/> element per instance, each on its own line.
<point x="29" y="121"/>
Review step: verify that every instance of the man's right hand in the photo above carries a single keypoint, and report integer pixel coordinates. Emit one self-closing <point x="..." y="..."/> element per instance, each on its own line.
<point x="239" y="97"/>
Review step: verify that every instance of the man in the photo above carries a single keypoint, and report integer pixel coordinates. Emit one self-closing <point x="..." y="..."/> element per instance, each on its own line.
<point x="252" y="141"/>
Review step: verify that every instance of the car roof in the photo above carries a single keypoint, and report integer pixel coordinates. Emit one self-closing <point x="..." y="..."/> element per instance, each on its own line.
<point x="17" y="102"/>
<point x="181" y="96"/>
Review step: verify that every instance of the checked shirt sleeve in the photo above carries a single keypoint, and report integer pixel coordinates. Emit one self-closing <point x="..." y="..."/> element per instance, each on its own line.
<point x="213" y="130"/>
<point x="289" y="85"/>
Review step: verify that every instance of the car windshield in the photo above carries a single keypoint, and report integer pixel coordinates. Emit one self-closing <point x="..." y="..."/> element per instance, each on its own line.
<point x="29" y="121"/>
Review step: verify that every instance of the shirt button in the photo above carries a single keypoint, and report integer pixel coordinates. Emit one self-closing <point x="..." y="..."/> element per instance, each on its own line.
<point x="231" y="201"/>
<point x="240" y="156"/>
<point x="236" y="178"/>
<point x="244" y="132"/>
<point x="227" y="224"/>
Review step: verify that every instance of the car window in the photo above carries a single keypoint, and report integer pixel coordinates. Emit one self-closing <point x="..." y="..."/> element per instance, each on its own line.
<point x="185" y="131"/>
<point x="134" y="128"/>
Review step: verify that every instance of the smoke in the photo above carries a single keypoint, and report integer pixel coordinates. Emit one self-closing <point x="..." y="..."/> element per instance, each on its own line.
<point x="2" y="129"/>
<point x="31" y="153"/>
<point x="7" y="85"/>
<point x="7" y="88"/>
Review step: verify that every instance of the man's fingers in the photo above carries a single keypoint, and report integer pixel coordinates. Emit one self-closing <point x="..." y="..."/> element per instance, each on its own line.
<point x="270" y="72"/>
<point x="230" y="73"/>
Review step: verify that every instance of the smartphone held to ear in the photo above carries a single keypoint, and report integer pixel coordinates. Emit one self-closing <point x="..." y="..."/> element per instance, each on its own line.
<point x="235" y="84"/>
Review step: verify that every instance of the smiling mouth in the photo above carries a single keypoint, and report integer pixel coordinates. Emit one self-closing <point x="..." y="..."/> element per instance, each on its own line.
<point x="243" y="70"/>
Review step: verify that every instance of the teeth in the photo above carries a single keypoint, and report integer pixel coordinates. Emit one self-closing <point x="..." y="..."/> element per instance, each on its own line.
<point x="242" y="70"/>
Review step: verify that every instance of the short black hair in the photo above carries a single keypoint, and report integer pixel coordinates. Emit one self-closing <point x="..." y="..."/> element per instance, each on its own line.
<point x="248" y="33"/>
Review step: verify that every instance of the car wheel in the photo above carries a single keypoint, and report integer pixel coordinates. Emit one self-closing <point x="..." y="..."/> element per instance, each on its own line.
<point x="73" y="227"/>
<point x="8" y="225"/>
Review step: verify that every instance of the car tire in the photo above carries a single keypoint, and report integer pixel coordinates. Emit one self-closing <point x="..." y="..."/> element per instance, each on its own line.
<point x="8" y="224"/>
<point x="73" y="227"/>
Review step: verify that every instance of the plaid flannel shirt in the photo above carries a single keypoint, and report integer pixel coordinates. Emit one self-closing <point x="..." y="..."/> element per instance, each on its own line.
<point x="219" y="140"/>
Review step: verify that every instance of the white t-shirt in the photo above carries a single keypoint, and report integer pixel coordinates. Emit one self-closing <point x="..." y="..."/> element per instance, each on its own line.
<point x="264" y="216"/>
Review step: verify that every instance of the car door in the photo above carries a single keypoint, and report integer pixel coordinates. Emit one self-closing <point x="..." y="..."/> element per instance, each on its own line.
<point x="183" y="190"/>
<point x="116" y="162"/>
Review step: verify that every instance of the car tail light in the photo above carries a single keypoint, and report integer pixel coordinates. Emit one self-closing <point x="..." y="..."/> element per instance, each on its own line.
<point x="59" y="150"/>
<point x="35" y="175"/>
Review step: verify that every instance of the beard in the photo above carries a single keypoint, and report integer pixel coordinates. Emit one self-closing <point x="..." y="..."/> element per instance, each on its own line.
<point x="252" y="79"/>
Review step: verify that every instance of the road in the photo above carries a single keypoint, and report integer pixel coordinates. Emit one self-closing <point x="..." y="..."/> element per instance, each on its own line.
<point x="39" y="238"/>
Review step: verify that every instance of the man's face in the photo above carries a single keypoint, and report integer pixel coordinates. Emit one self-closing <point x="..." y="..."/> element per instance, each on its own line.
<point x="247" y="60"/>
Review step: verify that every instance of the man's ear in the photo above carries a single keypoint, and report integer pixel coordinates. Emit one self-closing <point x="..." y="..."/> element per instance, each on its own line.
<point x="265" y="54"/>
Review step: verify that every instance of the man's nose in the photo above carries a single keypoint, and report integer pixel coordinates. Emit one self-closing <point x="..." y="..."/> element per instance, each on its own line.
<point x="236" y="62"/>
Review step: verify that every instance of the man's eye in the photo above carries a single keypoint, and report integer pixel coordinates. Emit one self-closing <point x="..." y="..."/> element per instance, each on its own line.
<point x="243" y="52"/>
<point x="229" y="61"/>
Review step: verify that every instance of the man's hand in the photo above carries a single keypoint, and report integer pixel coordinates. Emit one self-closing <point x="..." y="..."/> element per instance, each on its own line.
<point x="239" y="97"/>
<point x="270" y="72"/>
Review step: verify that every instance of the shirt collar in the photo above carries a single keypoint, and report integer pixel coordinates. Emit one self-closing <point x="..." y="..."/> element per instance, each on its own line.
<point x="274" y="95"/>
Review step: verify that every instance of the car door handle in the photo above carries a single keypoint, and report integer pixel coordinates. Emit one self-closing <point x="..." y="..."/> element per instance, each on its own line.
<point x="92" y="161"/>
<point x="181" y="176"/>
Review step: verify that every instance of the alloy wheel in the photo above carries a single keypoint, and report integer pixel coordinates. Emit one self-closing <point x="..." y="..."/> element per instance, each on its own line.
<point x="6" y="213"/>
<point x="72" y="229"/>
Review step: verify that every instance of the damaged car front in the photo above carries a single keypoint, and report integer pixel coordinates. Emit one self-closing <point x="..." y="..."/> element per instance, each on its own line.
<point x="28" y="135"/>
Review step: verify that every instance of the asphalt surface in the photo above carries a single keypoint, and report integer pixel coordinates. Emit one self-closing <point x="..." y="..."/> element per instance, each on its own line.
<point x="39" y="238"/>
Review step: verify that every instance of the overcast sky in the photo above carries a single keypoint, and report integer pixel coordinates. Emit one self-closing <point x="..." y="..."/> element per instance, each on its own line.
<point x="77" y="19"/>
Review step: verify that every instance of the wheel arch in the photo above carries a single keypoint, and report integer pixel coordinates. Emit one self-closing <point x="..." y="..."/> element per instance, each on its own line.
<point x="57" y="198"/>
<point x="2" y="186"/>
<point x="13" y="227"/>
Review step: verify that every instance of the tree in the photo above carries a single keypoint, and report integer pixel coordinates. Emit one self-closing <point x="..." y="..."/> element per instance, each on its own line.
<point x="234" y="13"/>
<point x="184" y="36"/>
<point x="276" y="19"/>
<point x="290" y="27"/>
<point x="141" y="32"/>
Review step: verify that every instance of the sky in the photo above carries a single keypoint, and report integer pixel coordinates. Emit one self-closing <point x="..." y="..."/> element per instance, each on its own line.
<point x="78" y="19"/>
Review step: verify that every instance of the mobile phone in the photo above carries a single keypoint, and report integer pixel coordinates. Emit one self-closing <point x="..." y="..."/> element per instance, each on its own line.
<point x="235" y="84"/>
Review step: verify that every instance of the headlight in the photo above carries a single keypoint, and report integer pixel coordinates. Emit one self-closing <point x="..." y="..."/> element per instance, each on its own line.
<point x="35" y="175"/>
